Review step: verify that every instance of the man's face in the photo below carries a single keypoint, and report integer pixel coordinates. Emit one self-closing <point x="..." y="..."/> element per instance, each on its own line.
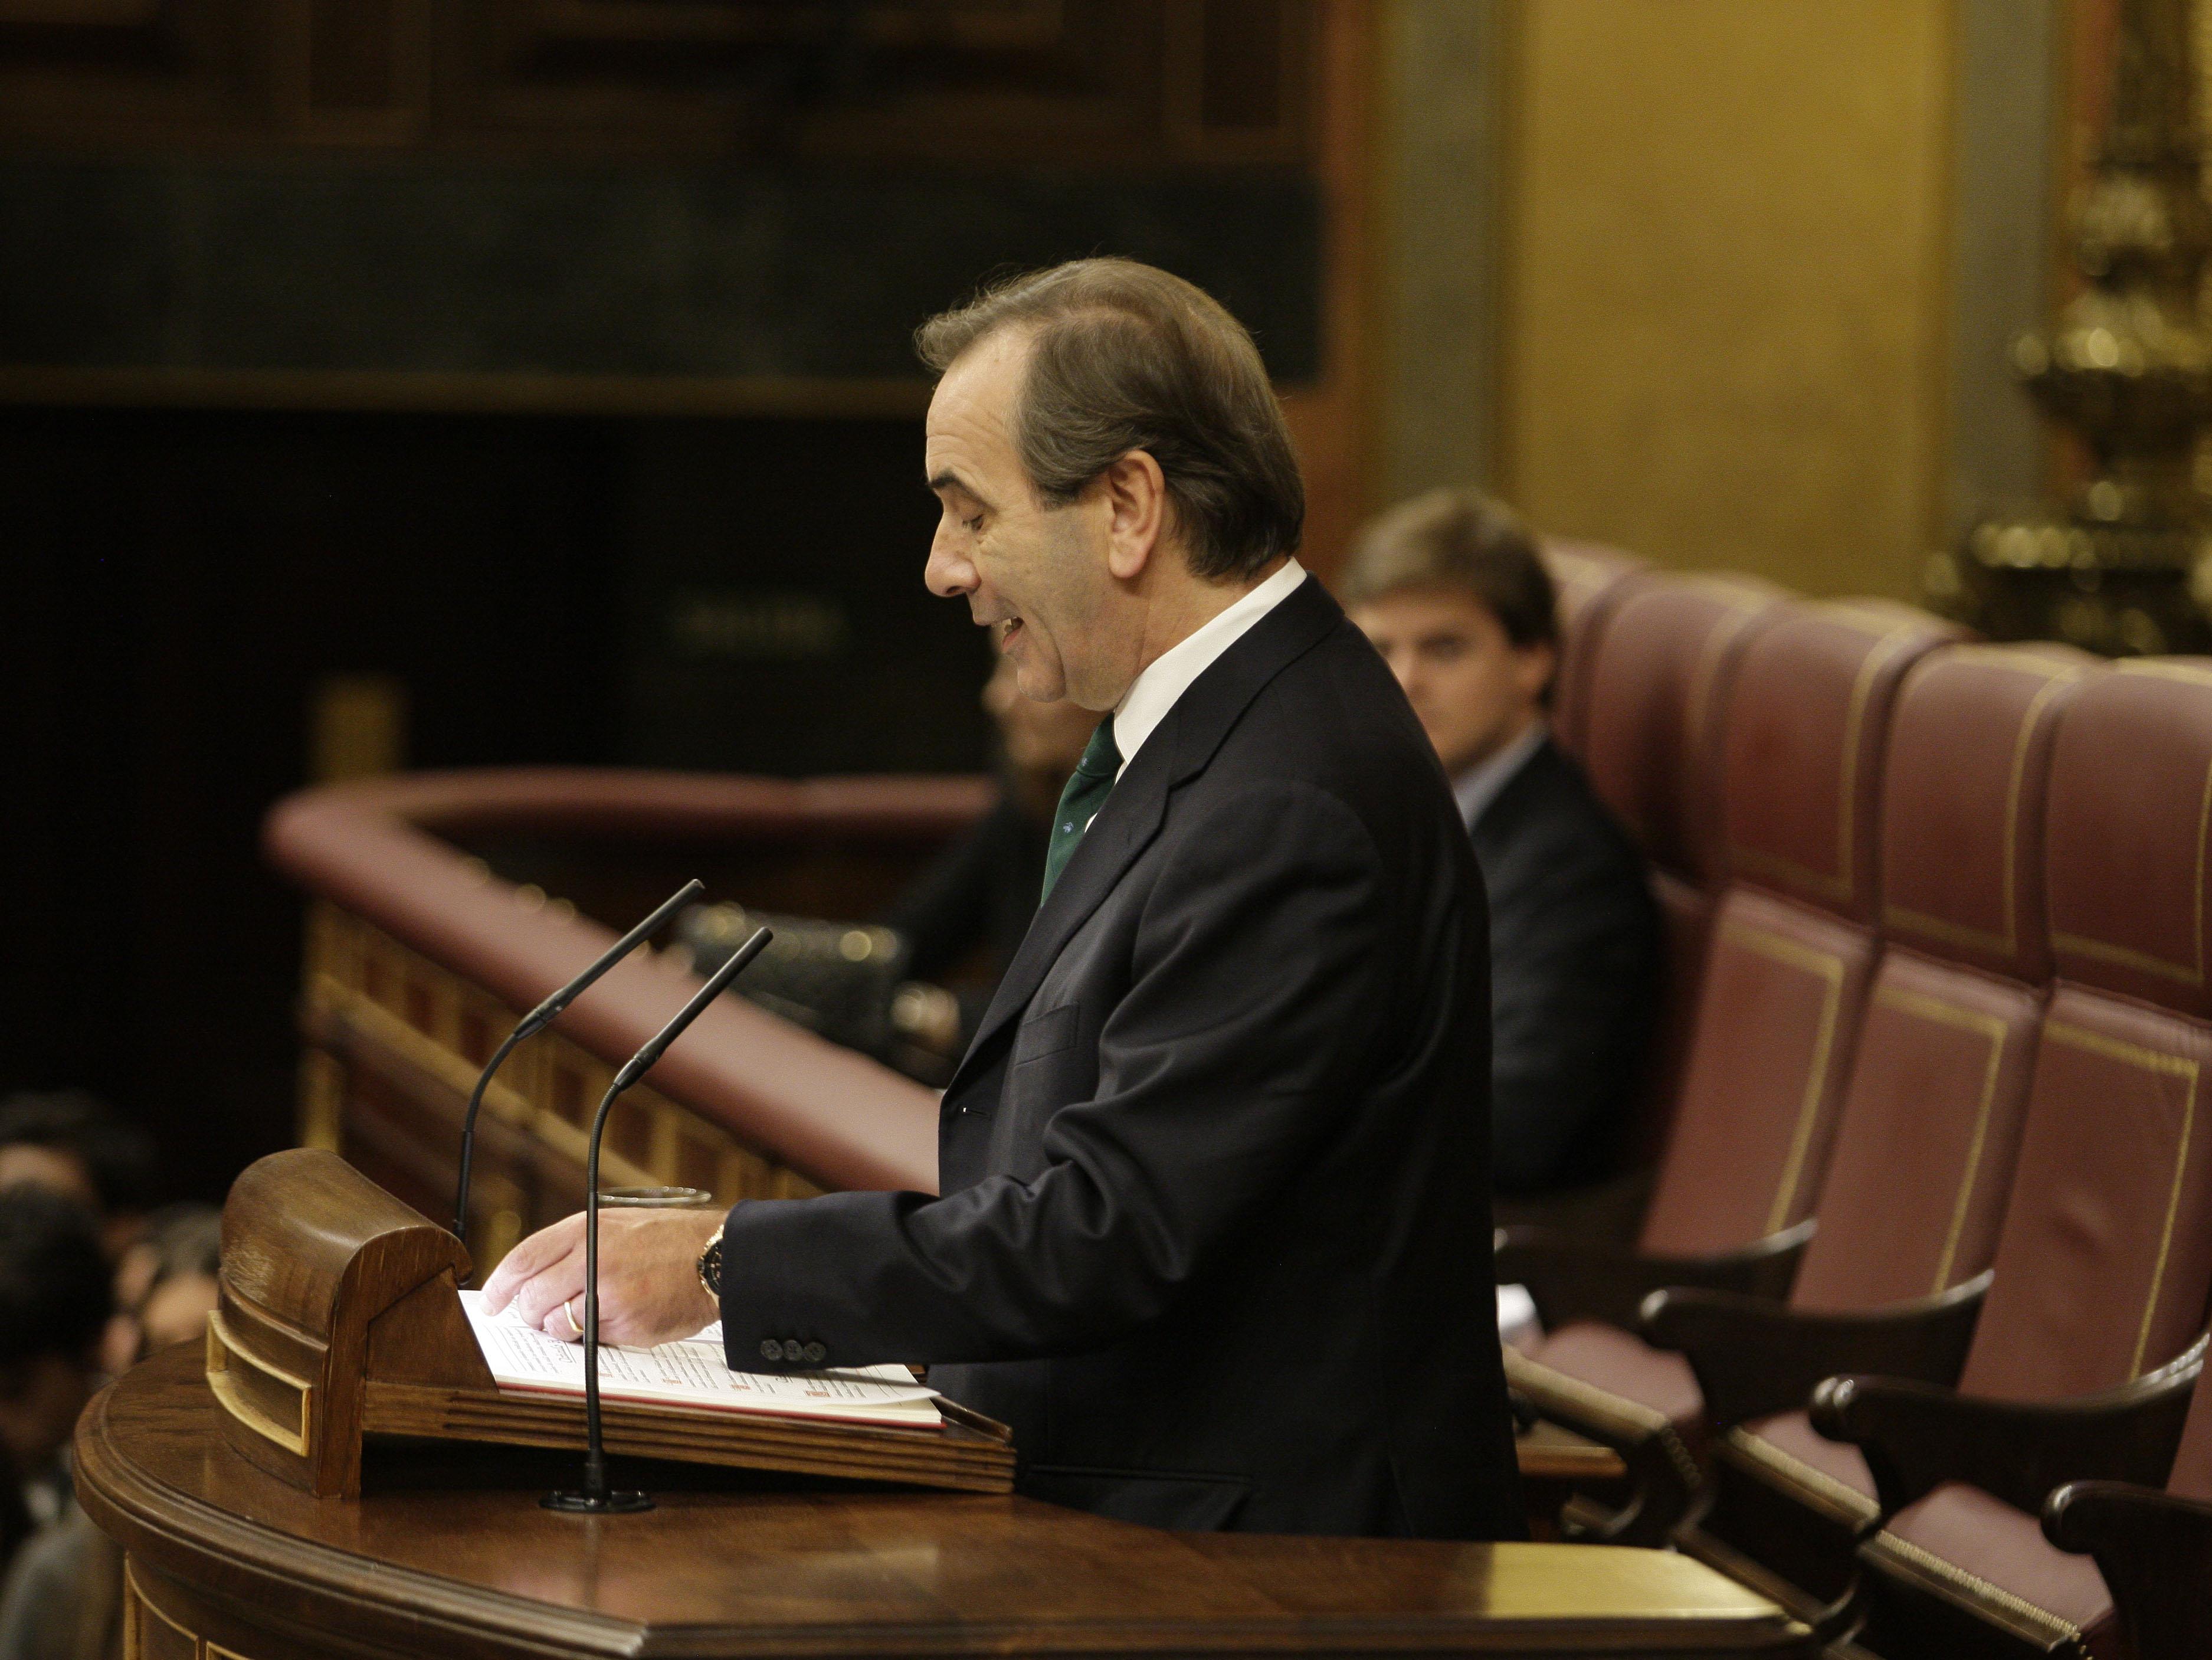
<point x="29" y="1163"/>
<point x="1474" y="690"/>
<point x="1037" y="575"/>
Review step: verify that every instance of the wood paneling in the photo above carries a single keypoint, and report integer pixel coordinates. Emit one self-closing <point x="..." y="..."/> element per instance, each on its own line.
<point x="1094" y="83"/>
<point x="395" y="1042"/>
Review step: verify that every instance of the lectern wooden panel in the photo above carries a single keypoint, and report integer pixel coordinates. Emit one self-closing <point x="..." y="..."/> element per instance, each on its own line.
<point x="338" y="1318"/>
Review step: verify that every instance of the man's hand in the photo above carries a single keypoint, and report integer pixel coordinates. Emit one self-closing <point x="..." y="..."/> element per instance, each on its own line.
<point x="649" y="1289"/>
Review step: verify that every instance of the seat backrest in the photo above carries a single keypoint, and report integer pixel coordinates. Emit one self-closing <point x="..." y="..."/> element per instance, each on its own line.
<point x="1930" y="1117"/>
<point x="1792" y="941"/>
<point x="2193" y="1462"/>
<point x="1590" y="580"/>
<point x="1659" y="678"/>
<point x="2104" y="1255"/>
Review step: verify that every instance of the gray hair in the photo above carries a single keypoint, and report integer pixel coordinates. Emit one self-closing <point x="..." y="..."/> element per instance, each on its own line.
<point x="1127" y="357"/>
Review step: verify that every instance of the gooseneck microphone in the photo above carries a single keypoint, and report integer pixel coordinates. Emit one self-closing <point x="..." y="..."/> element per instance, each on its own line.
<point x="594" y="1496"/>
<point x="544" y="1016"/>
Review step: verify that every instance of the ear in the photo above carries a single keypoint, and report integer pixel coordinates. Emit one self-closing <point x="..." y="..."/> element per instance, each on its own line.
<point x="1134" y="494"/>
<point x="1534" y="668"/>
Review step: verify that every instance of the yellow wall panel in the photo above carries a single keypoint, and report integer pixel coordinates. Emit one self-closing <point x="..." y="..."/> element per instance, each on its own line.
<point x="1723" y="329"/>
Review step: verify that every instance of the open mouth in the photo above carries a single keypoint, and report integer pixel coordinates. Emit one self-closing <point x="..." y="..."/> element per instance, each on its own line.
<point x="1007" y="631"/>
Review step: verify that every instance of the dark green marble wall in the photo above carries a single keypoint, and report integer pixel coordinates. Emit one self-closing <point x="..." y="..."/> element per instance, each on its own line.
<point x="451" y="267"/>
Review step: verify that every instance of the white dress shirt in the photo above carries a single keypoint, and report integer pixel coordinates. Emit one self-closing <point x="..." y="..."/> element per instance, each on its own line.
<point x="1478" y="785"/>
<point x="1146" y="703"/>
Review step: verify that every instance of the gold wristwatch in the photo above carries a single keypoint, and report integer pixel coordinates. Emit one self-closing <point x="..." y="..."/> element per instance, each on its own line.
<point x="710" y="1267"/>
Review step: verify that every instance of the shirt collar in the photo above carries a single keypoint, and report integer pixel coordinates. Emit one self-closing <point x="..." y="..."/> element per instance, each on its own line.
<point x="1481" y="783"/>
<point x="1146" y="703"/>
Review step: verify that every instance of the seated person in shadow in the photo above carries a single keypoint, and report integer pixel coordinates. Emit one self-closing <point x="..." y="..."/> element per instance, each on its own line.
<point x="1450" y="589"/>
<point x="61" y="1598"/>
<point x="54" y="1302"/>
<point x="72" y="1142"/>
<point x="976" y="900"/>
<point x="932" y="961"/>
<point x="165" y="1285"/>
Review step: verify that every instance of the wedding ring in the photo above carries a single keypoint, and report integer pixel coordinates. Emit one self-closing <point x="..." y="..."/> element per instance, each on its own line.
<point x="568" y="1309"/>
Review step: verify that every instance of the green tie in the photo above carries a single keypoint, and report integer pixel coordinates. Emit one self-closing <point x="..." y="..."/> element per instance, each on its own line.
<point x="1085" y="793"/>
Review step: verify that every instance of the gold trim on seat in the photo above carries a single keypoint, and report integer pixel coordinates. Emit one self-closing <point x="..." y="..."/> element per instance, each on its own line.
<point x="2014" y="1612"/>
<point x="2056" y="677"/>
<point x="1604" y="1411"/>
<point x="1981" y="1024"/>
<point x="1853" y="1507"/>
<point x="2083" y="944"/>
<point x="1829" y="967"/>
<point x="2171" y="1066"/>
<point x="1841" y="884"/>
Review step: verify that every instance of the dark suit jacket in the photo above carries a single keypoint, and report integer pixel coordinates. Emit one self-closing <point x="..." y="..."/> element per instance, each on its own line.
<point x="1215" y="1230"/>
<point x="1575" y="963"/>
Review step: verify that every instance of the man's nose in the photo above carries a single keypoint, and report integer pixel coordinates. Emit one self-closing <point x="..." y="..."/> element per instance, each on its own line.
<point x="948" y="575"/>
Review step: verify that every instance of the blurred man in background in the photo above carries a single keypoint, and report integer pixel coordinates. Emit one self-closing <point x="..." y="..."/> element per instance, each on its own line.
<point x="971" y="908"/>
<point x="1452" y="591"/>
<point x="61" y="1598"/>
<point x="165" y="1284"/>
<point x="937" y="955"/>
<point x="72" y="1142"/>
<point x="54" y="1303"/>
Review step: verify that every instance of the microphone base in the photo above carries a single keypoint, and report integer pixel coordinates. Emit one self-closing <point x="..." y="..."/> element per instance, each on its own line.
<point x="607" y="1503"/>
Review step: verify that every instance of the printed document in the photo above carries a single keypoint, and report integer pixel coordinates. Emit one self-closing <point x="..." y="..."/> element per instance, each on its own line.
<point x="691" y="1373"/>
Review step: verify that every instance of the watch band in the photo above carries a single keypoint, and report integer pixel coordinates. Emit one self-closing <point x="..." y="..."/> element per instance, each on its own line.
<point x="710" y="1266"/>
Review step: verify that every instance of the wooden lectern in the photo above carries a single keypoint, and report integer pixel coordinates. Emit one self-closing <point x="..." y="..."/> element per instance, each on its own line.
<point x="235" y="1483"/>
<point x="453" y="1557"/>
<point x="339" y="1317"/>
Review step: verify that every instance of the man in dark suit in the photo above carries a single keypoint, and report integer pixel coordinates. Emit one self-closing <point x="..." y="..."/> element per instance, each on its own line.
<point x="1214" y="1229"/>
<point x="1450" y="589"/>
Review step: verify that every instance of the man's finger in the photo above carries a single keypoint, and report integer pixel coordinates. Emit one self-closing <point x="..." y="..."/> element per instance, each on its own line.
<point x="543" y="1294"/>
<point x="566" y="1321"/>
<point x="533" y="1256"/>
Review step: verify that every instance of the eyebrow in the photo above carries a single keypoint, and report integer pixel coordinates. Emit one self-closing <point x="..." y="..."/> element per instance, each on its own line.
<point x="949" y="480"/>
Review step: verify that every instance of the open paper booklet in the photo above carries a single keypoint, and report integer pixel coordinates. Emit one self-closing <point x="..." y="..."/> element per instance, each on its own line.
<point x="693" y="1373"/>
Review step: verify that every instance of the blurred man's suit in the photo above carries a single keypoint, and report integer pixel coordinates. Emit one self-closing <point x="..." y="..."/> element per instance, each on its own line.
<point x="1575" y="955"/>
<point x="1216" y="1233"/>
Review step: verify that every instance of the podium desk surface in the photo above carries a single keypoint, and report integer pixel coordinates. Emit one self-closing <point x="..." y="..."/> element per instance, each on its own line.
<point x="223" y="1560"/>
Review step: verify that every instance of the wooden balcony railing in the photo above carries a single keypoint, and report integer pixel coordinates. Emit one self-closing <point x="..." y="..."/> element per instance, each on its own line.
<point x="427" y="939"/>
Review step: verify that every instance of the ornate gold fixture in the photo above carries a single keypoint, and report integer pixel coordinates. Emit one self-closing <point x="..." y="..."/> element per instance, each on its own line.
<point x="2126" y="566"/>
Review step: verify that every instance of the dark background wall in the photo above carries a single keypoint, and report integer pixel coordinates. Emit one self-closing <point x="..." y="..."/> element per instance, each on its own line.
<point x="543" y="367"/>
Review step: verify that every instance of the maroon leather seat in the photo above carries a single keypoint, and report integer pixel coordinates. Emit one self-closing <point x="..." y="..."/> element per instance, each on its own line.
<point x="1791" y="949"/>
<point x="2089" y="1338"/>
<point x="1659" y="676"/>
<point x="2153" y="1547"/>
<point x="1792" y="939"/>
<point x="1590" y="581"/>
<point x="1927" y="1129"/>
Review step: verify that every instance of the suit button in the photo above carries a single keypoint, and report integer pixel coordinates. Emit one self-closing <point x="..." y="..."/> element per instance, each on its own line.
<point x="816" y="1354"/>
<point x="770" y="1349"/>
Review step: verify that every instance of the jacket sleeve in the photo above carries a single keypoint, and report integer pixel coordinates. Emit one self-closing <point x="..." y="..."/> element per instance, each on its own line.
<point x="1574" y="970"/>
<point x="1259" y="982"/>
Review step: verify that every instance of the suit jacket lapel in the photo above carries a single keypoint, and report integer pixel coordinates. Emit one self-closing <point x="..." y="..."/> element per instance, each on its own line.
<point x="1181" y="746"/>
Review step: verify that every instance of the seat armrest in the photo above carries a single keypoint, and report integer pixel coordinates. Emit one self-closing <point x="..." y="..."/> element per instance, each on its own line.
<point x="1917" y="1436"/>
<point x="1753" y="1356"/>
<point x="2154" y="1550"/>
<point x="1571" y="1278"/>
